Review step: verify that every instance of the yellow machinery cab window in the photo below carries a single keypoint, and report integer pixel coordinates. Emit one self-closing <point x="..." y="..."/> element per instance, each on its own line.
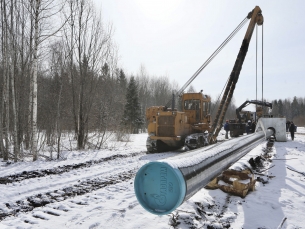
<point x="205" y="108"/>
<point x="192" y="104"/>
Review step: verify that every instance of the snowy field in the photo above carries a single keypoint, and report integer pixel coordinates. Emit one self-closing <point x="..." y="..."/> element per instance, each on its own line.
<point x="115" y="206"/>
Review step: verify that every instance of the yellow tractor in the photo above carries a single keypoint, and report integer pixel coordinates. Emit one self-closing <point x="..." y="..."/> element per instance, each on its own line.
<point x="170" y="129"/>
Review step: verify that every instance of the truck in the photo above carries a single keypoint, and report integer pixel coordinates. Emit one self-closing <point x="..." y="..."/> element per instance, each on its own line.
<point x="192" y="127"/>
<point x="238" y="126"/>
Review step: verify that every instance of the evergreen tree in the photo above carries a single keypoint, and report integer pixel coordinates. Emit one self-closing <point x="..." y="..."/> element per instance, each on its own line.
<point x="280" y="107"/>
<point x="302" y="109"/>
<point x="105" y="71"/>
<point x="295" y="107"/>
<point x="122" y="81"/>
<point x="133" y="118"/>
<point x="275" y="108"/>
<point x="287" y="112"/>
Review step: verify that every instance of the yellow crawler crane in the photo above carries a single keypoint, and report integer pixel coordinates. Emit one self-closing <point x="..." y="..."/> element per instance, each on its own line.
<point x="169" y="129"/>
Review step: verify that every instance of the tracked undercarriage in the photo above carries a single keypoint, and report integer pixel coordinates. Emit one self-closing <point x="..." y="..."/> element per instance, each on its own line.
<point x="193" y="141"/>
<point x="196" y="140"/>
<point x="157" y="146"/>
<point x="170" y="129"/>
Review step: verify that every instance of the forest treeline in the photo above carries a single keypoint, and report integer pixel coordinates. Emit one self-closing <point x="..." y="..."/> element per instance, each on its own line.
<point x="59" y="73"/>
<point x="291" y="109"/>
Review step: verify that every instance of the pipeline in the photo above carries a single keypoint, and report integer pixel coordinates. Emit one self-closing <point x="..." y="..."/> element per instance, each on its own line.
<point x="162" y="186"/>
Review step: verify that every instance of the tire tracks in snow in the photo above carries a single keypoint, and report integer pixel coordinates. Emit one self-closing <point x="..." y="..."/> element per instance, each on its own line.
<point x="82" y="188"/>
<point x="84" y="185"/>
<point x="61" y="169"/>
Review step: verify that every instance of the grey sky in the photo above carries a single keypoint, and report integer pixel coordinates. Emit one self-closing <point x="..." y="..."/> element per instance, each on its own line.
<point x="175" y="37"/>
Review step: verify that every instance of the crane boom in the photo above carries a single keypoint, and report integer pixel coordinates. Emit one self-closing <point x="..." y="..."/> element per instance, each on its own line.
<point x="246" y="103"/>
<point x="214" y="54"/>
<point x="256" y="18"/>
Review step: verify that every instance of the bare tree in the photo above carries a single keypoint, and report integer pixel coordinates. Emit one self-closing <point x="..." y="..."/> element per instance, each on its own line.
<point x="90" y="46"/>
<point x="191" y="89"/>
<point x="12" y="80"/>
<point x="5" y="80"/>
<point x="145" y="93"/>
<point x="43" y="10"/>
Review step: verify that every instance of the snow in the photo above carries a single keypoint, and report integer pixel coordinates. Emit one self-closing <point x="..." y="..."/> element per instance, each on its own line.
<point x="115" y="206"/>
<point x="214" y="151"/>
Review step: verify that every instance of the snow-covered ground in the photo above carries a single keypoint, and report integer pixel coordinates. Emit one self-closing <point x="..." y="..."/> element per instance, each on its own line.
<point x="115" y="205"/>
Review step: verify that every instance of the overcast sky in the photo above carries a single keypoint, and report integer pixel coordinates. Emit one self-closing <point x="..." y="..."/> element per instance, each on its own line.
<point x="174" y="38"/>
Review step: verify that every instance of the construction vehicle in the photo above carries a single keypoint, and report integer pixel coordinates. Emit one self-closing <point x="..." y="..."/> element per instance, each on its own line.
<point x="169" y="129"/>
<point x="238" y="126"/>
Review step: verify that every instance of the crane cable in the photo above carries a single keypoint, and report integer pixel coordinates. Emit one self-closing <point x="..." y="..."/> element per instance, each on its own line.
<point x="256" y="72"/>
<point x="212" y="110"/>
<point x="256" y="69"/>
<point x="262" y="65"/>
<point x="241" y="25"/>
<point x="211" y="57"/>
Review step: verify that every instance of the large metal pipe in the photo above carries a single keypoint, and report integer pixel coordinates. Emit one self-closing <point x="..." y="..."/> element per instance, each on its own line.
<point x="162" y="186"/>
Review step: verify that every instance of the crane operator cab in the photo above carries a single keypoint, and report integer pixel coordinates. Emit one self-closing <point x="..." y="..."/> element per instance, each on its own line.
<point x="197" y="108"/>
